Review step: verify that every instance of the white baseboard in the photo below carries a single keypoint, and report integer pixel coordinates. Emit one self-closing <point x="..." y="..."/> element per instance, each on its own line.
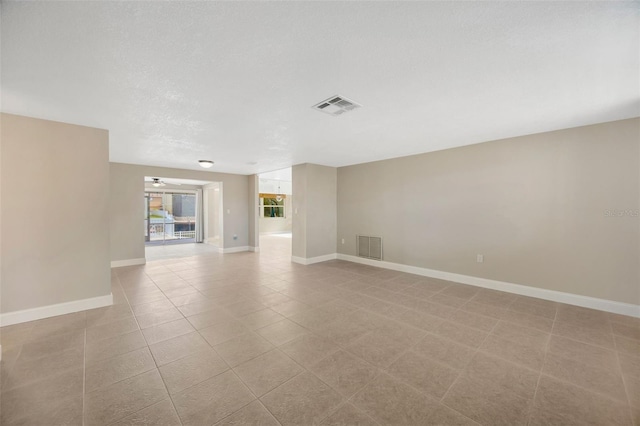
<point x="312" y="260"/>
<point x="254" y="249"/>
<point x="17" y="317"/>
<point x="524" y="290"/>
<point x="233" y="249"/>
<point x="128" y="262"/>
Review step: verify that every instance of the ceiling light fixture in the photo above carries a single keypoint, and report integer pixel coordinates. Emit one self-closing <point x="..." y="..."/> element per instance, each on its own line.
<point x="278" y="196"/>
<point x="157" y="182"/>
<point x="207" y="164"/>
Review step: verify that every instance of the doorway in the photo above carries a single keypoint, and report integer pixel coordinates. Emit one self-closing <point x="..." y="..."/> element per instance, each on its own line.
<point x="170" y="217"/>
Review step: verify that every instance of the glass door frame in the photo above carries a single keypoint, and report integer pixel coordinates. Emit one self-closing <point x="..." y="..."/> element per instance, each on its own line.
<point x="164" y="193"/>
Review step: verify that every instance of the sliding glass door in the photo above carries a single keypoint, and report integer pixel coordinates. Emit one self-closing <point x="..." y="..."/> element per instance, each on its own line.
<point x="170" y="217"/>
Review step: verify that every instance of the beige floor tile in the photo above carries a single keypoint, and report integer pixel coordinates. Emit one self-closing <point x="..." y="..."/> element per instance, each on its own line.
<point x="481" y="322"/>
<point x="117" y="401"/>
<point x="378" y="350"/>
<point x="348" y="415"/>
<point x="391" y="402"/>
<point x="422" y="334"/>
<point x="31" y="370"/>
<point x="199" y="307"/>
<point x="420" y="320"/>
<point x="108" y="314"/>
<point x="516" y="352"/>
<point x="58" y="325"/>
<point x="487" y="402"/>
<point x="42" y="395"/>
<point x="444" y="416"/>
<point x="51" y="345"/>
<point x="519" y="380"/>
<point x="424" y="374"/>
<point x="104" y="373"/>
<point x="166" y="331"/>
<point x="461" y="334"/>
<point x="633" y="390"/>
<point x="212" y="400"/>
<point x="590" y="355"/>
<point x="159" y="414"/>
<point x="66" y="411"/>
<point x="624" y="330"/>
<point x="191" y="370"/>
<point x="282" y="332"/>
<point x="243" y="348"/>
<point x="444" y="351"/>
<point x="290" y="308"/>
<point x="344" y="372"/>
<point x="605" y="381"/>
<point x="267" y="371"/>
<point x="303" y="400"/>
<point x="448" y="300"/>
<point x="223" y="331"/>
<point x="159" y="305"/>
<point x="308" y="349"/>
<point x="630" y="365"/>
<point x="158" y="317"/>
<point x="494" y="298"/>
<point x="561" y="403"/>
<point x="179" y="347"/>
<point x="260" y="319"/>
<point x="112" y="329"/>
<point x="343" y="331"/>
<point x="532" y="306"/>
<point x="460" y="290"/>
<point x="627" y="346"/>
<point x="253" y="414"/>
<point x="207" y="319"/>
<point x="597" y="337"/>
<point x="312" y="319"/>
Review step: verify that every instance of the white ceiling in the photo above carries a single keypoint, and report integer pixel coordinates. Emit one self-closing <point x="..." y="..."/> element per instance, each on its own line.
<point x="234" y="82"/>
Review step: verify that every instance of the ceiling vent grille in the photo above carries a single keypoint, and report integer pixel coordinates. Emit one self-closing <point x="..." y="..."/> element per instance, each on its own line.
<point x="369" y="247"/>
<point x="336" y="105"/>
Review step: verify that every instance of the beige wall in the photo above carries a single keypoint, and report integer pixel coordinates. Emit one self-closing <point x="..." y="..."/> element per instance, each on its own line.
<point x="534" y="206"/>
<point x="55" y="213"/>
<point x="127" y="207"/>
<point x="314" y="198"/>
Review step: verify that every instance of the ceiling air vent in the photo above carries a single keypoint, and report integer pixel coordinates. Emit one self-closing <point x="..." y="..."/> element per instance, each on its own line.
<point x="336" y="105"/>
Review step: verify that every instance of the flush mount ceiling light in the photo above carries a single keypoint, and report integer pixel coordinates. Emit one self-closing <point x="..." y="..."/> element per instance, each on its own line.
<point x="157" y="182"/>
<point x="336" y="105"/>
<point x="207" y="164"/>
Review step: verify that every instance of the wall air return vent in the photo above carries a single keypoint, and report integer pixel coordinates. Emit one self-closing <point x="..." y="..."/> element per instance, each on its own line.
<point x="369" y="247"/>
<point x="336" y="105"/>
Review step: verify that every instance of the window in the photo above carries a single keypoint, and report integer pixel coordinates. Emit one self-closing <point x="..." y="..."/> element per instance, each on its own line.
<point x="272" y="205"/>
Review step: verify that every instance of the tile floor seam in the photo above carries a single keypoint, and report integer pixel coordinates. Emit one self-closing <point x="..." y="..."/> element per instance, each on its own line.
<point x="156" y="367"/>
<point x="462" y="370"/>
<point x="544" y="362"/>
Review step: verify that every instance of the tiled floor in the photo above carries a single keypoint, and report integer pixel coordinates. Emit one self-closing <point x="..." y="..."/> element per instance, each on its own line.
<point x="251" y="338"/>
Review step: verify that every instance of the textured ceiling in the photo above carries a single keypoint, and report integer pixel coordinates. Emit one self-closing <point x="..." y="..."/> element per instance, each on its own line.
<point x="234" y="82"/>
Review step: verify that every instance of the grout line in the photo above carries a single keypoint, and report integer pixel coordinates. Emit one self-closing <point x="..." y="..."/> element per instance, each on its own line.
<point x="154" y="361"/>
<point x="544" y="362"/>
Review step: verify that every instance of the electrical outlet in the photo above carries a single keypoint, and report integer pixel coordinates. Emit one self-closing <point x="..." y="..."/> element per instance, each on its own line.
<point x="343" y="241"/>
<point x="480" y="258"/>
<point x="235" y="237"/>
